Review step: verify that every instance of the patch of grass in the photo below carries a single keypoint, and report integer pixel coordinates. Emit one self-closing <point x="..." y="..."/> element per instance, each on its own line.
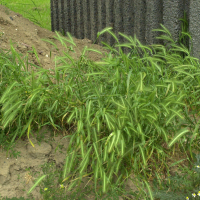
<point x="183" y="185"/>
<point x="14" y="198"/>
<point x="37" y="11"/>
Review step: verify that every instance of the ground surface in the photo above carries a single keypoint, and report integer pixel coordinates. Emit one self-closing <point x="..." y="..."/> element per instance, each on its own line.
<point x="16" y="173"/>
<point x="25" y="34"/>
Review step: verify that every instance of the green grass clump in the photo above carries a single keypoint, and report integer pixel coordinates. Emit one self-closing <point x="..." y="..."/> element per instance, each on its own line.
<point x="38" y="11"/>
<point x="129" y="113"/>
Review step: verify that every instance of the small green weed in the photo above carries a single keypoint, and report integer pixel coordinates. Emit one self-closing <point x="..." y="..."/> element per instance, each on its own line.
<point x="179" y="186"/>
<point x="3" y="2"/>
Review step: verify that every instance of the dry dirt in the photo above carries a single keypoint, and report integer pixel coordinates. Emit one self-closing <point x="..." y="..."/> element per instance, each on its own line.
<point x="17" y="174"/>
<point x="25" y="34"/>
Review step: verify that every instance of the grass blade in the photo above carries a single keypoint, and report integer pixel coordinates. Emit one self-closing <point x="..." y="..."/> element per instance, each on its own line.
<point x="180" y="134"/>
<point x="37" y="182"/>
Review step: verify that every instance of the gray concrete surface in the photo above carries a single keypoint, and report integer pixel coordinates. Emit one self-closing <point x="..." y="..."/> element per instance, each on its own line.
<point x="84" y="18"/>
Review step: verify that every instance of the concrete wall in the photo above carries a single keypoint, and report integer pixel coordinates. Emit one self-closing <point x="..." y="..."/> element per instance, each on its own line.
<point x="84" y="18"/>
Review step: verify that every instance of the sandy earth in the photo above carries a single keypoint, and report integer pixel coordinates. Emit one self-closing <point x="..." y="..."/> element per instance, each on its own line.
<point x="14" y="176"/>
<point x="25" y="34"/>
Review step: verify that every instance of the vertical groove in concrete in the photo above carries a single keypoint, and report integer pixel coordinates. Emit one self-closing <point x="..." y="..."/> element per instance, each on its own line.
<point x="67" y="16"/>
<point x="118" y="25"/>
<point x="60" y="15"/>
<point x="80" y="28"/>
<point x="53" y="27"/>
<point x="93" y="19"/>
<point x="171" y="13"/>
<point x="111" y="19"/>
<point x="139" y="19"/>
<point x="55" y="19"/>
<point x="128" y="12"/>
<point x="187" y="10"/>
<point x="108" y="24"/>
<point x="194" y="27"/>
<point x="64" y="22"/>
<point x="154" y="17"/>
<point x="84" y="18"/>
<point x="72" y="17"/>
<point x="75" y="18"/>
<point x="101" y="18"/>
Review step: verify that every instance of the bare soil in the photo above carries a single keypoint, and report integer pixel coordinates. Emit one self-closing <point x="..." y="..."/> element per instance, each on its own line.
<point x="17" y="173"/>
<point x="24" y="35"/>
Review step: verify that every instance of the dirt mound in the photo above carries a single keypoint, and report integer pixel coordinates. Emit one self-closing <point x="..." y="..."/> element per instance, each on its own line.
<point x="17" y="173"/>
<point x="25" y="34"/>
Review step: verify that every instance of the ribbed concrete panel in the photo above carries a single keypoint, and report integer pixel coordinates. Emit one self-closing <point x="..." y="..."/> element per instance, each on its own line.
<point x="84" y="18"/>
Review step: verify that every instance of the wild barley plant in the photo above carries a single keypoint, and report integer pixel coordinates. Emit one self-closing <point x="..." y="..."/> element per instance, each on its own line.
<point x="124" y="107"/>
<point x="124" y="112"/>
